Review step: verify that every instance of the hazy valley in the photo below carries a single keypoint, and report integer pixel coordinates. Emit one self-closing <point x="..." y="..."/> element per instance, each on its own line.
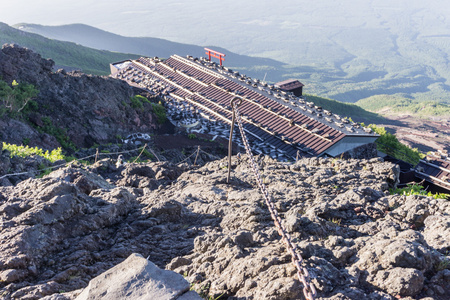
<point x="347" y="50"/>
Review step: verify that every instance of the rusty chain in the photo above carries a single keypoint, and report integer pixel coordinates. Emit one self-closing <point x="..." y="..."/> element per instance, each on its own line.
<point x="309" y="291"/>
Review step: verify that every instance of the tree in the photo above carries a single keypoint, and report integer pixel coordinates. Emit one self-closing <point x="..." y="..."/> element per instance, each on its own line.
<point x="16" y="96"/>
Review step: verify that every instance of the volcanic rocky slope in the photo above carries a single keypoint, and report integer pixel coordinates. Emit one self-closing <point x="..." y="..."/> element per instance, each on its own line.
<point x="357" y="241"/>
<point x="79" y="109"/>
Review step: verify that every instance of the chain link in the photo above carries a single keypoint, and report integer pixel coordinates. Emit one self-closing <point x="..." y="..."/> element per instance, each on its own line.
<point x="309" y="291"/>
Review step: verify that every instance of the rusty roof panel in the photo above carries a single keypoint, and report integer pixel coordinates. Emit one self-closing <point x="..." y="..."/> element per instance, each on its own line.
<point x="278" y="118"/>
<point x="435" y="170"/>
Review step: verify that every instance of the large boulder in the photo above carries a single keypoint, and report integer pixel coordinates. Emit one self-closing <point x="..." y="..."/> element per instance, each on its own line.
<point x="137" y="278"/>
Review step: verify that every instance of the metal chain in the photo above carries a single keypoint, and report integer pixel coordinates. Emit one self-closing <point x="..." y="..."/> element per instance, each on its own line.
<point x="309" y="291"/>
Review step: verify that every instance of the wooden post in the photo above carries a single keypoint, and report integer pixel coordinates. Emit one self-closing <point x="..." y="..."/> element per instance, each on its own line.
<point x="96" y="156"/>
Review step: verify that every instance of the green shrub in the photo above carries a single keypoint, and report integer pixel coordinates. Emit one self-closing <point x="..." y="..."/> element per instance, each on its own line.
<point x="25" y="151"/>
<point x="416" y="189"/>
<point x="59" y="133"/>
<point x="148" y="154"/>
<point x="138" y="101"/>
<point x="15" y="97"/>
<point x="44" y="171"/>
<point x="389" y="144"/>
<point x="160" y="112"/>
<point x="192" y="136"/>
<point x="70" y="158"/>
<point x="31" y="106"/>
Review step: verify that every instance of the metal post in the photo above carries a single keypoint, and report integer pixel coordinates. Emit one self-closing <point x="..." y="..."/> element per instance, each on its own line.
<point x="230" y="142"/>
<point x="198" y="151"/>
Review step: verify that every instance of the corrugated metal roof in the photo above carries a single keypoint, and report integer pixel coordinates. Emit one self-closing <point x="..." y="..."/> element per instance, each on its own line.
<point x="275" y="116"/>
<point x="435" y="170"/>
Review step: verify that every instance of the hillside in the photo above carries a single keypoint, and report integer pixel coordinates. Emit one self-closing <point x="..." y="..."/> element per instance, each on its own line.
<point x="64" y="54"/>
<point x="96" y="61"/>
<point x="419" y="124"/>
<point x="355" y="112"/>
<point x="399" y="105"/>
<point x="71" y="110"/>
<point x="146" y="46"/>
<point x="346" y="83"/>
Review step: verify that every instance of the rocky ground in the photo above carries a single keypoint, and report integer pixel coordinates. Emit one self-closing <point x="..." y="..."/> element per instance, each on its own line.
<point x="60" y="231"/>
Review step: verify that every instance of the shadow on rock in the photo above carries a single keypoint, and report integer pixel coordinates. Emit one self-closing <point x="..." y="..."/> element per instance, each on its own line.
<point x="62" y="230"/>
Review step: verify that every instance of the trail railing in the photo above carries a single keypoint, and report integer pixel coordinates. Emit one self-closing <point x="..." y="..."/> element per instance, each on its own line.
<point x="309" y="291"/>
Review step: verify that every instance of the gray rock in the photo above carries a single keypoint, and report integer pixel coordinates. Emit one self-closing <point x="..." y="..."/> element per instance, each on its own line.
<point x="400" y="281"/>
<point x="137" y="278"/>
<point x="65" y="229"/>
<point x="437" y="232"/>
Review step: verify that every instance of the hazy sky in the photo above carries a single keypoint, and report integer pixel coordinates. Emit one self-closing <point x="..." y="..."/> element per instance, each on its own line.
<point x="147" y="17"/>
<point x="255" y="27"/>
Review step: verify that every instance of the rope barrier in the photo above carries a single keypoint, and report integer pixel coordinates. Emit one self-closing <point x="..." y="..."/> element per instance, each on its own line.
<point x="154" y="154"/>
<point x="71" y="162"/>
<point x="97" y="154"/>
<point x="187" y="157"/>
<point x="140" y="153"/>
<point x="309" y="291"/>
<point x="209" y="154"/>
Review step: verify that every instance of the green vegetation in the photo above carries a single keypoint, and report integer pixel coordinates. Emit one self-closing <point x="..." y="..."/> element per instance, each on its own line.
<point x="336" y="221"/>
<point x="69" y="54"/>
<point x="203" y="291"/>
<point x="160" y="112"/>
<point x="345" y="109"/>
<point x="416" y="189"/>
<point x="397" y="104"/>
<point x="25" y="151"/>
<point x="443" y="264"/>
<point x="192" y="136"/>
<point x="44" y="170"/>
<point x="138" y="101"/>
<point x="59" y="133"/>
<point x="389" y="144"/>
<point x="148" y="154"/>
<point x="16" y="97"/>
